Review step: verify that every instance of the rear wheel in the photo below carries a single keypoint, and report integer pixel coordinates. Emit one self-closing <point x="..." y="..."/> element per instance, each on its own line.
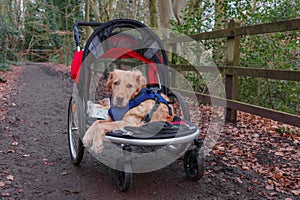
<point x="181" y="110"/>
<point x="180" y="106"/>
<point x="75" y="144"/>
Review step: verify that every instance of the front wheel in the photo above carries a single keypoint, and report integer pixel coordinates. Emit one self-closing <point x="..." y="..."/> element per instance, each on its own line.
<point x="193" y="165"/>
<point x="124" y="176"/>
<point x="75" y="144"/>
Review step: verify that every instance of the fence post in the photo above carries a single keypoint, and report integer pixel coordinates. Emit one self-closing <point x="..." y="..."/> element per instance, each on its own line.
<point x="170" y="51"/>
<point x="232" y="59"/>
<point x="60" y="55"/>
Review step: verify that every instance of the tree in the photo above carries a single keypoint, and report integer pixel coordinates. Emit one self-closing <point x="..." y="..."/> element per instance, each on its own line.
<point x="275" y="51"/>
<point x="153" y="13"/>
<point x="9" y="24"/>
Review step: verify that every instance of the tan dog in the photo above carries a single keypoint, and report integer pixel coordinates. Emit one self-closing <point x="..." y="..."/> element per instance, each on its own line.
<point x="123" y="86"/>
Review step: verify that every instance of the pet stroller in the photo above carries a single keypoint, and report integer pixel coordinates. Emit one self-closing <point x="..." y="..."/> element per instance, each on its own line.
<point x="127" y="44"/>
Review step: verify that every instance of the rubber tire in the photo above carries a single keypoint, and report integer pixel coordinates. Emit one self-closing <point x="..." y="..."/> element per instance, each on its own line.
<point x="183" y="105"/>
<point x="193" y="165"/>
<point x="124" y="177"/>
<point x="76" y="146"/>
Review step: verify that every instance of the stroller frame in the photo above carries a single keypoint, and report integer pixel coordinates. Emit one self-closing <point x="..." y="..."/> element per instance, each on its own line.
<point x="193" y="161"/>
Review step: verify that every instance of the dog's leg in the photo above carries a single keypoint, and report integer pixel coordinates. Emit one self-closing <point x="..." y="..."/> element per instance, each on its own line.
<point x="98" y="142"/>
<point x="95" y="136"/>
<point x="89" y="135"/>
<point x="99" y="136"/>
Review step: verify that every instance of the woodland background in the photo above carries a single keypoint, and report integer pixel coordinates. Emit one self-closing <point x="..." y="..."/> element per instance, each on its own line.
<point x="28" y="25"/>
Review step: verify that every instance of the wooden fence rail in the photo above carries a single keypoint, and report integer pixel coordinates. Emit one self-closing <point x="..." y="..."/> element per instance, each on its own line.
<point x="232" y="70"/>
<point x="290" y="75"/>
<point x="40" y="55"/>
<point x="282" y="26"/>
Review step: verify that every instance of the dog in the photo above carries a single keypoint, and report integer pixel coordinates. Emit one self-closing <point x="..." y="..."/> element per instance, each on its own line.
<point x="125" y="87"/>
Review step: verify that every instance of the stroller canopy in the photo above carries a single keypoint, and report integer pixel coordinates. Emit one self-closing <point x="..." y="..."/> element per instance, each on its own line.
<point x="123" y="39"/>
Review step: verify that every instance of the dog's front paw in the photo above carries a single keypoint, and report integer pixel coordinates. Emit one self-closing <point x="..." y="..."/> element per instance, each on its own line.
<point x="87" y="140"/>
<point x="98" y="142"/>
<point x="97" y="148"/>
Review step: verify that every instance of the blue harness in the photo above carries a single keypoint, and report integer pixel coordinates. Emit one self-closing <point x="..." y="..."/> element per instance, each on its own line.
<point x="117" y="113"/>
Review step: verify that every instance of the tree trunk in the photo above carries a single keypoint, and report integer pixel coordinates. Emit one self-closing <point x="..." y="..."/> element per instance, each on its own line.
<point x="219" y="24"/>
<point x="165" y="15"/>
<point x="88" y="29"/>
<point x="153" y="13"/>
<point x="178" y="6"/>
<point x="219" y="14"/>
<point x="95" y="7"/>
<point x="137" y="10"/>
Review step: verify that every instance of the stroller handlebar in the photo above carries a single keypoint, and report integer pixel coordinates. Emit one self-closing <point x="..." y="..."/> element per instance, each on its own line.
<point x="76" y="33"/>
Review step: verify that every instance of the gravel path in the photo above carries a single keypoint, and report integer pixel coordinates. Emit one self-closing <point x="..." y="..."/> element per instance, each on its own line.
<point x="35" y="163"/>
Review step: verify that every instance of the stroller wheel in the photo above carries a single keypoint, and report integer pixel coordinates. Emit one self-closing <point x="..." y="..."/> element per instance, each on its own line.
<point x="124" y="176"/>
<point x="75" y="144"/>
<point x="193" y="165"/>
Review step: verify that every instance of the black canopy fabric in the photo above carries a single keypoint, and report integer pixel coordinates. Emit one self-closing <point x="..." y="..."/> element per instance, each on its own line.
<point x="123" y="34"/>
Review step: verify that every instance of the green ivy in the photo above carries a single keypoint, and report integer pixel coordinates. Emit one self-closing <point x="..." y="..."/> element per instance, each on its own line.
<point x="269" y="51"/>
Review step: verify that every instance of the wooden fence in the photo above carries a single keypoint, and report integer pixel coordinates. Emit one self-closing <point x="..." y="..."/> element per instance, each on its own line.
<point x="40" y="55"/>
<point x="232" y="70"/>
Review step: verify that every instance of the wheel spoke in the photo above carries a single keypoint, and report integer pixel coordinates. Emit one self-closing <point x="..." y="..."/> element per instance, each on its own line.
<point x="74" y="129"/>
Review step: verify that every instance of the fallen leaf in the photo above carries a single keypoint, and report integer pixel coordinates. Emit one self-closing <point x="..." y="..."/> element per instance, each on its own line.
<point x="273" y="193"/>
<point x="277" y="176"/>
<point x="5" y="194"/>
<point x="296" y="192"/>
<point x="270" y="187"/>
<point x="220" y="152"/>
<point x="239" y="180"/>
<point x="47" y="162"/>
<point x="250" y="188"/>
<point x="2" y="183"/>
<point x="64" y="173"/>
<point x="14" y="143"/>
<point x="289" y="149"/>
<point x="74" y="191"/>
<point x="279" y="153"/>
<point x="11" y="151"/>
<point x="10" y="177"/>
<point x="8" y="182"/>
<point x="21" y="191"/>
<point x="256" y="181"/>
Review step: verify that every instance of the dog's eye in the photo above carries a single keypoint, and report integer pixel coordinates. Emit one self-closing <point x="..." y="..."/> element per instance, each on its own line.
<point x="116" y="83"/>
<point x="129" y="86"/>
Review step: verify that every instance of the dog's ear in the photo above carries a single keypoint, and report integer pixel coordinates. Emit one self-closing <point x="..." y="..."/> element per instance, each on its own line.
<point x="141" y="81"/>
<point x="109" y="82"/>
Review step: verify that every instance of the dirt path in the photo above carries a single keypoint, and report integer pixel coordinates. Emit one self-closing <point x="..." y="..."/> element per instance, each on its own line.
<point x="35" y="164"/>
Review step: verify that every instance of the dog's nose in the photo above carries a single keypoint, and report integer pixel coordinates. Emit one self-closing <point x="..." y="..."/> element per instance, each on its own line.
<point x="120" y="98"/>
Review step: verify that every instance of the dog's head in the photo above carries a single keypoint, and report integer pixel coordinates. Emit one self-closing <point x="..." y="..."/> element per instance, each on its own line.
<point x="124" y="85"/>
